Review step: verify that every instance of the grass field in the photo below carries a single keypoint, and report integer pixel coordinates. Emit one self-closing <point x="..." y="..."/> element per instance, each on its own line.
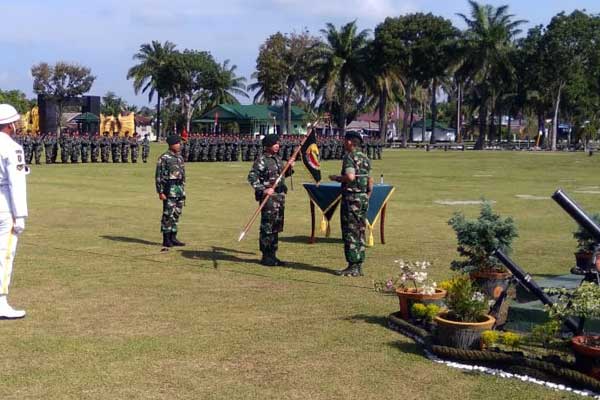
<point x="111" y="317"/>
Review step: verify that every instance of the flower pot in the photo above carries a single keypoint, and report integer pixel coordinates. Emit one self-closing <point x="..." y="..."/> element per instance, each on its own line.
<point x="462" y="335"/>
<point x="407" y="297"/>
<point x="492" y="284"/>
<point x="587" y="358"/>
<point x="584" y="259"/>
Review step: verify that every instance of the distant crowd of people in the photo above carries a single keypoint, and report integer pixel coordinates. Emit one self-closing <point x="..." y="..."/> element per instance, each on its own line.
<point x="204" y="147"/>
<point x="74" y="147"/>
<point x="83" y="147"/>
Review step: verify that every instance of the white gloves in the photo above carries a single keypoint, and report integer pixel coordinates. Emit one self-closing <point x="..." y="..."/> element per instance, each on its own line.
<point x="19" y="226"/>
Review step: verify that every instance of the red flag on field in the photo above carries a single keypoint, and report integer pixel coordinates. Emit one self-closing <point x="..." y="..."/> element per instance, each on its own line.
<point x="184" y="135"/>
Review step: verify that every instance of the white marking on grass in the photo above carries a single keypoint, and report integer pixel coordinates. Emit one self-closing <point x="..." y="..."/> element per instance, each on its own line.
<point x="531" y="197"/>
<point x="588" y="191"/>
<point x="460" y="202"/>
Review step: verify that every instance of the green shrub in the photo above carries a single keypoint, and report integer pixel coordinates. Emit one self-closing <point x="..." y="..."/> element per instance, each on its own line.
<point x="418" y="310"/>
<point x="511" y="339"/>
<point x="490" y="338"/>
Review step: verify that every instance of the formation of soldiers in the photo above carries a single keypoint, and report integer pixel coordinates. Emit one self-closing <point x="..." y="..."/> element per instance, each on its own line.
<point x="202" y="147"/>
<point x="74" y="147"/>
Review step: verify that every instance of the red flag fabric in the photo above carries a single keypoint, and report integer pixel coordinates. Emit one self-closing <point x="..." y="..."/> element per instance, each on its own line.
<point x="184" y="134"/>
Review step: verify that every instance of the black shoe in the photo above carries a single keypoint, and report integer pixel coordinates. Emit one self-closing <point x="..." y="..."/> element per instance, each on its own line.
<point x="174" y="240"/>
<point x="352" y="270"/>
<point x="268" y="261"/>
<point x="279" y="262"/>
<point x="167" y="239"/>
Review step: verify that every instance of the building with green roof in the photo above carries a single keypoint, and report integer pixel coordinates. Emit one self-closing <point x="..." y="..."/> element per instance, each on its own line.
<point x="256" y="119"/>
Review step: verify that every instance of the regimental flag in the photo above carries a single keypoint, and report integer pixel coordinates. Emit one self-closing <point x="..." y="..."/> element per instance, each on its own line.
<point x="184" y="134"/>
<point x="310" y="156"/>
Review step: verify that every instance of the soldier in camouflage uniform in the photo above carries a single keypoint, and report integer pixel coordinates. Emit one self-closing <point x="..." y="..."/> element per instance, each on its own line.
<point x="170" y="186"/>
<point x="105" y="147"/>
<point x="95" y="147"/>
<point x="265" y="170"/>
<point x="48" y="147"/>
<point x="145" y="148"/>
<point x="85" y="147"/>
<point x="115" y="148"/>
<point x="357" y="186"/>
<point x="37" y="147"/>
<point x="125" y="147"/>
<point x="75" y="148"/>
<point x="135" y="147"/>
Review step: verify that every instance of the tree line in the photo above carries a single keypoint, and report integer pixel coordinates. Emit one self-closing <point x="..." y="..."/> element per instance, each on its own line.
<point x="481" y="73"/>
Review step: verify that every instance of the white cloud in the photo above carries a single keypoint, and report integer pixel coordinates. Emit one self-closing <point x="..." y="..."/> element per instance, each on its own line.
<point x="361" y="9"/>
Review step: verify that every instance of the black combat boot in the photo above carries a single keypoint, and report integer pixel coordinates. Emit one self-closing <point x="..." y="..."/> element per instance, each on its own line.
<point x="174" y="240"/>
<point x="268" y="260"/>
<point x="279" y="262"/>
<point x="167" y="239"/>
<point x="351" y="270"/>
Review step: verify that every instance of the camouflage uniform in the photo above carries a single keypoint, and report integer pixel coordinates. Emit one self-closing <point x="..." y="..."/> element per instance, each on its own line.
<point x="135" y="148"/>
<point x="48" y="148"/>
<point x="145" y="149"/>
<point x="37" y="148"/>
<point x="115" y="148"/>
<point x="125" y="148"/>
<point x="105" y="148"/>
<point x="170" y="181"/>
<point x="265" y="170"/>
<point x="85" y="148"/>
<point x="75" y="149"/>
<point x="354" y="206"/>
<point x="95" y="147"/>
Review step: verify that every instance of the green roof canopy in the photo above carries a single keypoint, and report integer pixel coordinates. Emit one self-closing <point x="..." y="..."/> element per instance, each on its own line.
<point x="86" y="118"/>
<point x="251" y="112"/>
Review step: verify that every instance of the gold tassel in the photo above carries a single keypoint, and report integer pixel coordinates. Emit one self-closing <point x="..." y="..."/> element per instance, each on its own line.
<point x="324" y="224"/>
<point x="328" y="233"/>
<point x="371" y="240"/>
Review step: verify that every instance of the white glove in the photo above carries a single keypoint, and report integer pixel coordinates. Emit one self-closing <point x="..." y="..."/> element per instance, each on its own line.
<point x="19" y="226"/>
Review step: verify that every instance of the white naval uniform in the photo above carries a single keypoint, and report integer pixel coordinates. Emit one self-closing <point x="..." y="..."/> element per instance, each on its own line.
<point x="13" y="203"/>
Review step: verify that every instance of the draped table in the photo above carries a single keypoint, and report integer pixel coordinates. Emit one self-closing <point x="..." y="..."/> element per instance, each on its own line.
<point x="327" y="196"/>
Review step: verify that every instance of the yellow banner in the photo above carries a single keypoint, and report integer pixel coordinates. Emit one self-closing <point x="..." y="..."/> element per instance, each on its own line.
<point x="117" y="126"/>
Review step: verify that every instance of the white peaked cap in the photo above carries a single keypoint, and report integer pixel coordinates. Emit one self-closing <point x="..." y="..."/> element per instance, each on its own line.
<point x="8" y="114"/>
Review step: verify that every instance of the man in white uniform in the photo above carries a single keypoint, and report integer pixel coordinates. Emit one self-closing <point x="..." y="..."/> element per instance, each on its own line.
<point x="13" y="203"/>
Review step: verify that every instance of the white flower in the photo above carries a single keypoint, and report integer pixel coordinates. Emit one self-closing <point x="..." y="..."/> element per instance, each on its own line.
<point x="478" y="296"/>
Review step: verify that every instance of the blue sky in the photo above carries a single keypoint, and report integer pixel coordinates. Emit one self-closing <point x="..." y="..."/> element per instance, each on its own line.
<point x="104" y="35"/>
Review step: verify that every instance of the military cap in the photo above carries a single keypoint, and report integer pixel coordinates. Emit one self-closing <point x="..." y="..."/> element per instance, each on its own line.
<point x="353" y="135"/>
<point x="270" y="140"/>
<point x="174" y="139"/>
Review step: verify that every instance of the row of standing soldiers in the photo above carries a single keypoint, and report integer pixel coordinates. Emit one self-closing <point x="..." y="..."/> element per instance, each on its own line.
<point x="211" y="148"/>
<point x="74" y="147"/>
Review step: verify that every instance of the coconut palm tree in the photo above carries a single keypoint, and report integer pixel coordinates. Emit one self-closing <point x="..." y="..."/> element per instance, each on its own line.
<point x="227" y="86"/>
<point x="153" y="73"/>
<point x="341" y="64"/>
<point x="488" y="40"/>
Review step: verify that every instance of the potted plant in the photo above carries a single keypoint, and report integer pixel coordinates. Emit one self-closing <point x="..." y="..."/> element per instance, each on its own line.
<point x="413" y="285"/>
<point x="580" y="303"/>
<point x="477" y="239"/>
<point x="586" y="246"/>
<point x="465" y="320"/>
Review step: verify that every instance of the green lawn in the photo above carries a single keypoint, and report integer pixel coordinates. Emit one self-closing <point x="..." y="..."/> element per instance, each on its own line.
<point x="109" y="316"/>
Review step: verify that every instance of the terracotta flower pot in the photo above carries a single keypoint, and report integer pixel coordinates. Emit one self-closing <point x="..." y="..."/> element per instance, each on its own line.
<point x="491" y="283"/>
<point x="587" y="358"/>
<point x="462" y="335"/>
<point x="407" y="297"/>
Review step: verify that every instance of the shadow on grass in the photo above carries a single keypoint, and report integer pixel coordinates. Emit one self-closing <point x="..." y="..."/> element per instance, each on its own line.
<point x="407" y="347"/>
<point x="305" y="239"/>
<point x="125" y="239"/>
<point x="369" y="319"/>
<point x="230" y="255"/>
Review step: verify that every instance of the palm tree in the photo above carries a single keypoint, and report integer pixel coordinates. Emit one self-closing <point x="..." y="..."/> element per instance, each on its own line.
<point x="227" y="86"/>
<point x="153" y="72"/>
<point x="342" y="64"/>
<point x="488" y="39"/>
